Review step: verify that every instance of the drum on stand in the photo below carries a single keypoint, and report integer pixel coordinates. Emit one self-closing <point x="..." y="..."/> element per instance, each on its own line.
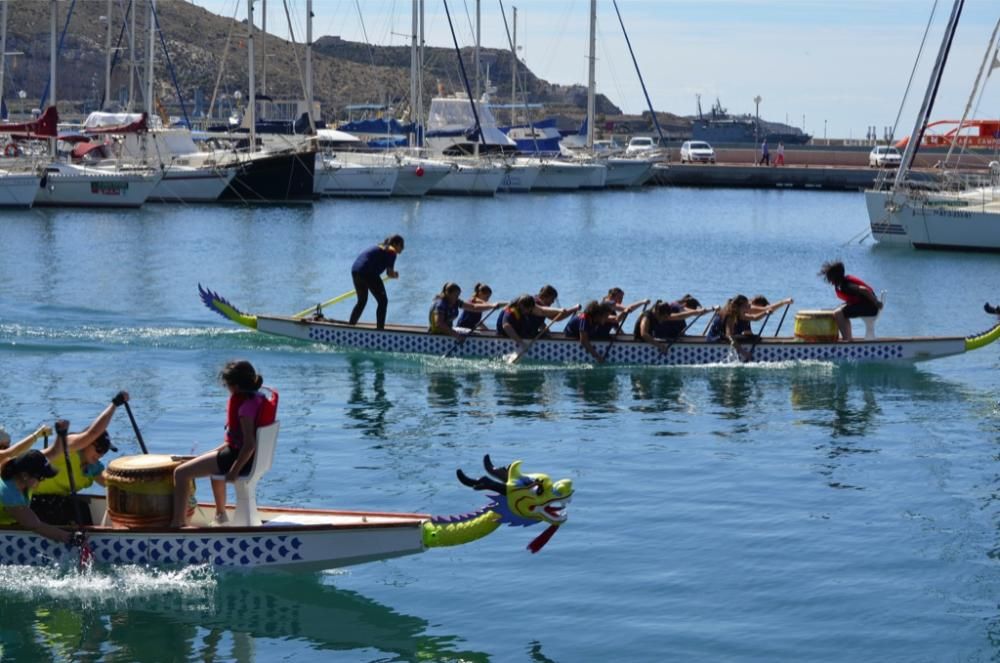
<point x="816" y="326"/>
<point x="141" y="490"/>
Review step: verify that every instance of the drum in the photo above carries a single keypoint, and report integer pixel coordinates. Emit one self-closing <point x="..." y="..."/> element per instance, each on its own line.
<point x="141" y="490"/>
<point x="816" y="326"/>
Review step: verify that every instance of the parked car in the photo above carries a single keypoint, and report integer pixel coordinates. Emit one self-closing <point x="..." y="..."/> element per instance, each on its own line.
<point x="884" y="157"/>
<point x="640" y="144"/>
<point x="697" y="151"/>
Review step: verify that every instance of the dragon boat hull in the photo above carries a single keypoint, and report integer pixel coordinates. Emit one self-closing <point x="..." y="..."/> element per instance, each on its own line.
<point x="695" y="350"/>
<point x="293" y="540"/>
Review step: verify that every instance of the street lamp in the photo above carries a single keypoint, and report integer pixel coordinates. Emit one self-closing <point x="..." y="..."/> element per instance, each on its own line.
<point x="756" y="129"/>
<point x="824" y="130"/>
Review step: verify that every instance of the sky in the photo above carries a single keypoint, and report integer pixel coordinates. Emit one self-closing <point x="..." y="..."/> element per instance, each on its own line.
<point x="834" y="67"/>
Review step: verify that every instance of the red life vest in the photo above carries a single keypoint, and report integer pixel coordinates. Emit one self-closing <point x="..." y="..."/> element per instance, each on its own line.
<point x="851" y="298"/>
<point x="266" y="414"/>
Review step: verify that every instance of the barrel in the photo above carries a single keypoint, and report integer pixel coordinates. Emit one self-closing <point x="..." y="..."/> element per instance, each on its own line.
<point x="141" y="490"/>
<point x="816" y="326"/>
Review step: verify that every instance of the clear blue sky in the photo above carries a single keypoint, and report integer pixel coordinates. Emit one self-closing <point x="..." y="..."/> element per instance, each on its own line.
<point x="845" y="62"/>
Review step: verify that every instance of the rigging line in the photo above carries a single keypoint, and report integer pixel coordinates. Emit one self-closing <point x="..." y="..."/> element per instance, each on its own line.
<point x="170" y="66"/>
<point x="524" y="97"/>
<point x="913" y="71"/>
<point x="638" y="73"/>
<point x="298" y="60"/>
<point x="988" y="59"/>
<point x="62" y="38"/>
<point x="222" y="62"/>
<point x="121" y="35"/>
<point x="380" y="89"/>
<point x="602" y="43"/>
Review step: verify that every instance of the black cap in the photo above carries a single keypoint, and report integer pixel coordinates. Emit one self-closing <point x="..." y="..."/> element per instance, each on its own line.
<point x="103" y="443"/>
<point x="34" y="463"/>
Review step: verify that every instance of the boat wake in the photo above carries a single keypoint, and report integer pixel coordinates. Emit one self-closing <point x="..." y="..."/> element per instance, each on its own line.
<point x="106" y="586"/>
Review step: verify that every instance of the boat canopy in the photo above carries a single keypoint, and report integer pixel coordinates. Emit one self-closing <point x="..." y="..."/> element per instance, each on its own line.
<point x="453" y="115"/>
<point x="43" y="127"/>
<point x="116" y="123"/>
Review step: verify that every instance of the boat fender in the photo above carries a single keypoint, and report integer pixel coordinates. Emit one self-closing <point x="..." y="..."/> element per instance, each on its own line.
<point x="11" y="150"/>
<point x="43" y="183"/>
<point x="419" y="171"/>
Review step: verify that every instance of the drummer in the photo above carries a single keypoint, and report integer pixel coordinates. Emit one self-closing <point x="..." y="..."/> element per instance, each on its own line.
<point x="234" y="457"/>
<point x="53" y="502"/>
<point x="858" y="297"/>
<point x="18" y="480"/>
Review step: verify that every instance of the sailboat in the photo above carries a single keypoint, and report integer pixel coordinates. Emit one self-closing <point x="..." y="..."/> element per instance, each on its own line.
<point x="957" y="212"/>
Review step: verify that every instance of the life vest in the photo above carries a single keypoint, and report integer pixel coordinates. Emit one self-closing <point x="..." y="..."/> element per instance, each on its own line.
<point x="518" y="321"/>
<point x="576" y="324"/>
<point x="448" y="311"/>
<point x="266" y="414"/>
<point x="59" y="484"/>
<point x="6" y="518"/>
<point x="852" y="298"/>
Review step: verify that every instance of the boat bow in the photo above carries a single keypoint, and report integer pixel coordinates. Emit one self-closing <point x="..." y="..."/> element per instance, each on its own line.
<point x="216" y="302"/>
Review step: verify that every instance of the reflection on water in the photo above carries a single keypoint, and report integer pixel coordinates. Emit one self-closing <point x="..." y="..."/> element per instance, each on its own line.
<point x="367" y="400"/>
<point x="225" y="620"/>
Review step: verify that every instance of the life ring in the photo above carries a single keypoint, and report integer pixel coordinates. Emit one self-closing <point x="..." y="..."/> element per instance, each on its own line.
<point x="11" y="150"/>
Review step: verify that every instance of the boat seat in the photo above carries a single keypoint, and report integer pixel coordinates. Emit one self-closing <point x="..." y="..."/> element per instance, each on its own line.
<point x="872" y="319"/>
<point x="246" y="514"/>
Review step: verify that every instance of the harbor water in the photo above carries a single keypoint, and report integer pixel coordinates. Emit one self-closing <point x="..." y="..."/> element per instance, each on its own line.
<point x="801" y="511"/>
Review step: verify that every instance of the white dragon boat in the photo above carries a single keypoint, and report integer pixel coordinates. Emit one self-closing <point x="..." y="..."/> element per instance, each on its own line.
<point x="686" y="351"/>
<point x="286" y="539"/>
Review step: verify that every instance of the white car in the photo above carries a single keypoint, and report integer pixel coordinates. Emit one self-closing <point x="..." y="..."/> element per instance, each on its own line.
<point x="640" y="144"/>
<point x="884" y="157"/>
<point x="697" y="151"/>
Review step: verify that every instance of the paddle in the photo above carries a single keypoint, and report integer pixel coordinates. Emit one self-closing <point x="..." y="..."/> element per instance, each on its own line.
<point x="513" y="359"/>
<point x="618" y="330"/>
<point x="782" y="320"/>
<point x="461" y="339"/>
<point x="687" y="327"/>
<point x="78" y="538"/>
<point x="336" y="300"/>
<point x="135" y="427"/>
<point x="760" y="333"/>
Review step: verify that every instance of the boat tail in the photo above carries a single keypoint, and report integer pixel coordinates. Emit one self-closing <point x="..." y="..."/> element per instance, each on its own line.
<point x="982" y="340"/>
<point x="516" y="499"/>
<point x="216" y="302"/>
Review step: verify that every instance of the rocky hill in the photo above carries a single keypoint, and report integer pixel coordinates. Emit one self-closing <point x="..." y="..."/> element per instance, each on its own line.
<point x="344" y="72"/>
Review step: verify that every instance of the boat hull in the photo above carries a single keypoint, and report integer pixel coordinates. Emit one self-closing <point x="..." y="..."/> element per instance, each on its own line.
<point x="954" y="222"/>
<point x="353" y="180"/>
<point x="628" y="172"/>
<point x="520" y="177"/>
<point x="18" y="190"/>
<point x="191" y="185"/>
<point x="686" y="352"/>
<point x="417" y="178"/>
<point x="273" y="178"/>
<point x="468" y="180"/>
<point x="290" y="540"/>
<point x="90" y="188"/>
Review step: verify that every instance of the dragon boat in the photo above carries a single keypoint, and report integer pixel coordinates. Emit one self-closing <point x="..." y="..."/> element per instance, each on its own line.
<point x="686" y="351"/>
<point x="290" y="539"/>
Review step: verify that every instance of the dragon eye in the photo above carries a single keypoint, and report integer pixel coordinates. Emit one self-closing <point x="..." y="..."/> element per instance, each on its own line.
<point x="539" y="489"/>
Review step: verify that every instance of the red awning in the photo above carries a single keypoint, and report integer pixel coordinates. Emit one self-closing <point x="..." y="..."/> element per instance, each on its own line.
<point x="83" y="149"/>
<point x="43" y="127"/>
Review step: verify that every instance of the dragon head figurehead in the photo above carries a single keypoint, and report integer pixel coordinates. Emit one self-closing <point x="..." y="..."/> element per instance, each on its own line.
<point x="517" y="499"/>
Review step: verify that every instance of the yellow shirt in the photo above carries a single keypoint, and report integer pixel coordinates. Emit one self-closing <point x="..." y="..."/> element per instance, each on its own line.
<point x="59" y="484"/>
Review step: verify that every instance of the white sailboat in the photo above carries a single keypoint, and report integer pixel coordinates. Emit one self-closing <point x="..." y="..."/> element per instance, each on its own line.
<point x="956" y="212"/>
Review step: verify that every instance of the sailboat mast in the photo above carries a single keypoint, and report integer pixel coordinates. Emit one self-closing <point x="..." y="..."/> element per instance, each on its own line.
<point x="413" y="69"/>
<point x="263" y="47"/>
<point x="920" y="125"/>
<point x="628" y="42"/>
<point x="513" y="71"/>
<point x="309" y="63"/>
<point x="475" y="64"/>
<point x="252" y="83"/>
<point x="131" y="64"/>
<point x="52" y="68"/>
<point x="988" y="59"/>
<point x="420" y="79"/>
<point x="107" y="55"/>
<point x="3" y="46"/>
<point x="590" y="75"/>
<point x="150" y="56"/>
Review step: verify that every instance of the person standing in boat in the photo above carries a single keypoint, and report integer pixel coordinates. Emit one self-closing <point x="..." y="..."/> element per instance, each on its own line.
<point x="472" y="320"/>
<point x="234" y="456"/>
<point x="591" y="325"/>
<point x="858" y="297"/>
<point x="446" y="306"/>
<point x="366" y="272"/>
<point x="18" y="480"/>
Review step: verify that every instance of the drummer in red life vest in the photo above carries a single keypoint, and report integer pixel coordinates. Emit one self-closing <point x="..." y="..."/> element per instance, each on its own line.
<point x="248" y="409"/>
<point x="858" y="297"/>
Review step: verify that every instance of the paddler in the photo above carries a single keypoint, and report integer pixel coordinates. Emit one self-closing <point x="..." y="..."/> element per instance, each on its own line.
<point x="446" y="306"/>
<point x="858" y="297"/>
<point x="52" y="499"/>
<point x="544" y="310"/>
<point x="614" y="298"/>
<point x="665" y="321"/>
<point x="472" y="320"/>
<point x="18" y="480"/>
<point x="8" y="451"/>
<point x="591" y="325"/>
<point x="366" y="272"/>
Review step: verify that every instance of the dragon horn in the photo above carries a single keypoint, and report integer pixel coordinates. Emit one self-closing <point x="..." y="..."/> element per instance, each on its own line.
<point x="483" y="483"/>
<point x="501" y="473"/>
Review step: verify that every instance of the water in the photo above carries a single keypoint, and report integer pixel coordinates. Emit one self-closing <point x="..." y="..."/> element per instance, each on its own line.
<point x="792" y="512"/>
